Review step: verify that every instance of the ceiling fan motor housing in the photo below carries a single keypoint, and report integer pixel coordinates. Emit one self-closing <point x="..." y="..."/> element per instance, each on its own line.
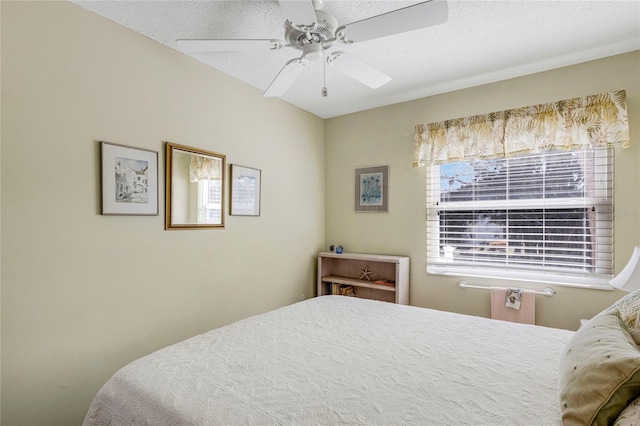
<point x="313" y="41"/>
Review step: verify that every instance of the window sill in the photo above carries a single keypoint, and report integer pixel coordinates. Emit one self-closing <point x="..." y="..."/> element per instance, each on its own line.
<point x="597" y="282"/>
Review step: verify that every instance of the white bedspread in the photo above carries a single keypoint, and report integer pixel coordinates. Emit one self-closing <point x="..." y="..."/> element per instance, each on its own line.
<point x="338" y="360"/>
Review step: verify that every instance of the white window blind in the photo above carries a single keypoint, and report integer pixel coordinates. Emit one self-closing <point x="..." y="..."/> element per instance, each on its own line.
<point x="548" y="212"/>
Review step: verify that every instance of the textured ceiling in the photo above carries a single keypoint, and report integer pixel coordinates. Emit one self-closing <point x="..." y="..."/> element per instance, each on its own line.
<point x="482" y="41"/>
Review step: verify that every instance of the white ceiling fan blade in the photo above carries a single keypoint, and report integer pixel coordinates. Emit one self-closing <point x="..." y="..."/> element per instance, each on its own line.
<point x="421" y="15"/>
<point x="358" y="70"/>
<point x="228" y="45"/>
<point x="299" y="12"/>
<point x="285" y="78"/>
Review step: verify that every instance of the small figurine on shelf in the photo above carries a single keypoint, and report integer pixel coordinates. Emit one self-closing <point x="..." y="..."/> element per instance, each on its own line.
<point x="339" y="249"/>
<point x="366" y="273"/>
<point x="332" y="248"/>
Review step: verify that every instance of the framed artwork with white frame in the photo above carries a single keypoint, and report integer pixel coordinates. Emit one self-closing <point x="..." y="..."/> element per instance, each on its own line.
<point x="245" y="191"/>
<point x="129" y="180"/>
<point x="372" y="189"/>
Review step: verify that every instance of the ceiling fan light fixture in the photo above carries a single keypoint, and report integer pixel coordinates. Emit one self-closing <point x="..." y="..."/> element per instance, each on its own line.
<point x="313" y="32"/>
<point x="312" y="51"/>
<point x="323" y="32"/>
<point x="358" y="70"/>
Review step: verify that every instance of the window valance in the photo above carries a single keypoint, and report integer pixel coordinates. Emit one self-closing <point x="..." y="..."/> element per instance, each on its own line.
<point x="579" y="123"/>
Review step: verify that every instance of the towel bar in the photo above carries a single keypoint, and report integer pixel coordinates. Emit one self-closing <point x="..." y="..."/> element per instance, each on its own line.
<point x="548" y="291"/>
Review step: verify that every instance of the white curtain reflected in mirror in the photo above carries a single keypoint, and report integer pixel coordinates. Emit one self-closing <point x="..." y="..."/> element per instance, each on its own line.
<point x="194" y="188"/>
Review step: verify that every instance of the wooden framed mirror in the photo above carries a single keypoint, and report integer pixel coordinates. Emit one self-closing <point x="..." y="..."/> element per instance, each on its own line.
<point x="195" y="182"/>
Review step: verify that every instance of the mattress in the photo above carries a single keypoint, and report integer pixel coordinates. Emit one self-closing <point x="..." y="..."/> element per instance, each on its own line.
<point x="335" y="360"/>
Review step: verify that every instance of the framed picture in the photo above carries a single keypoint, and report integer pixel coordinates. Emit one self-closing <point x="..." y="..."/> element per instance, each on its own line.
<point x="129" y="180"/>
<point x="245" y="191"/>
<point x="372" y="189"/>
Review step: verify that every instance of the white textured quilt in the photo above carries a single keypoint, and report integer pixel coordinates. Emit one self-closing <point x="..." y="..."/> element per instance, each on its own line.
<point x="337" y="360"/>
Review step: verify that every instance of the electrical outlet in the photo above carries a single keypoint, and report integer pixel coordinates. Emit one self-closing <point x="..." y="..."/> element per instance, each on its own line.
<point x="301" y="297"/>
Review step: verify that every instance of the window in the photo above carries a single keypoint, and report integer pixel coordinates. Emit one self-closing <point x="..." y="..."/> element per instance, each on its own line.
<point x="536" y="215"/>
<point x="530" y="194"/>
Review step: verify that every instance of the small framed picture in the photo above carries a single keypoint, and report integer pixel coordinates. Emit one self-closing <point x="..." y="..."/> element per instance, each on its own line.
<point x="372" y="189"/>
<point x="245" y="191"/>
<point x="129" y="180"/>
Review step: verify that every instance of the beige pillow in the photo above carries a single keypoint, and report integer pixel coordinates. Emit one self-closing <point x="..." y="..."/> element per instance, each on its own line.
<point x="599" y="372"/>
<point x="629" y="308"/>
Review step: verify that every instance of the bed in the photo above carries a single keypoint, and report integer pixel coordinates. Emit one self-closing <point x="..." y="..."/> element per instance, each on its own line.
<point x="335" y="360"/>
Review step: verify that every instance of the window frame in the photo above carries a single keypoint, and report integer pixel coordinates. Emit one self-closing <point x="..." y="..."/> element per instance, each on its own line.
<point x="439" y="265"/>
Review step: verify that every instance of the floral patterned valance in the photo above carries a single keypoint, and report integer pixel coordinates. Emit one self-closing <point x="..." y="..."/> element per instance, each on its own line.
<point x="202" y="168"/>
<point x="579" y="123"/>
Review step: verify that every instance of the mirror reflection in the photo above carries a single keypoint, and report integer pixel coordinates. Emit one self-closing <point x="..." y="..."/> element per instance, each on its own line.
<point x="194" y="188"/>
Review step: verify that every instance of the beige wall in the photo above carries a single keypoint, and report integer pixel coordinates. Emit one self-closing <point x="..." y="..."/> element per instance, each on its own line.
<point x="82" y="293"/>
<point x="385" y="136"/>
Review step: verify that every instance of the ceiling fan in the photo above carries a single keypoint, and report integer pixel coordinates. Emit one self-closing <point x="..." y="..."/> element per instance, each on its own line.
<point x="314" y="32"/>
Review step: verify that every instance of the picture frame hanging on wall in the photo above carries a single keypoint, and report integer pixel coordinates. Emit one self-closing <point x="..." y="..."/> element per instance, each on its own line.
<point x="245" y="191"/>
<point x="372" y="189"/>
<point x="129" y="180"/>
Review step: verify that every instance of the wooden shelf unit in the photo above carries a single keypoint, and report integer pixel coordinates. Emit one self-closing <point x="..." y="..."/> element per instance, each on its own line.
<point x="346" y="269"/>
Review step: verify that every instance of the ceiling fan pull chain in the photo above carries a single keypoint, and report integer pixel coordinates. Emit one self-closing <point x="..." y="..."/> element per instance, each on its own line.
<point x="324" y="76"/>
